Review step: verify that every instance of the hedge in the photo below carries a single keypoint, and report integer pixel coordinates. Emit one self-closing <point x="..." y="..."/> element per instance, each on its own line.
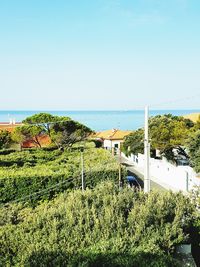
<point x="28" y="172"/>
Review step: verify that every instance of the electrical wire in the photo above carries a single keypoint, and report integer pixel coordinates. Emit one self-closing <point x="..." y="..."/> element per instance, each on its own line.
<point x="38" y="192"/>
<point x="153" y="105"/>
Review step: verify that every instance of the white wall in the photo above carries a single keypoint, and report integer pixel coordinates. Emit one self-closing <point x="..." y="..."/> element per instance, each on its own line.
<point x="176" y="177"/>
<point x="109" y="144"/>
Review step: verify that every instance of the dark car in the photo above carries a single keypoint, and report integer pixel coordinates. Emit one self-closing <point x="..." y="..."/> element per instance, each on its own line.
<point x="132" y="181"/>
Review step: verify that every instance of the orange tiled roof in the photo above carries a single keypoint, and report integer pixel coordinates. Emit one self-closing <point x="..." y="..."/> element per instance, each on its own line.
<point x="9" y="127"/>
<point x="113" y="134"/>
<point x="193" y="117"/>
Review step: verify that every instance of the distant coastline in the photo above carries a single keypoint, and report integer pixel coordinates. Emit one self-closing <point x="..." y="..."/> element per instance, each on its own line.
<point x="98" y="120"/>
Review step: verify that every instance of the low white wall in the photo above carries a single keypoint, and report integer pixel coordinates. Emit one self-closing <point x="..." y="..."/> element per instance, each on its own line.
<point x="177" y="177"/>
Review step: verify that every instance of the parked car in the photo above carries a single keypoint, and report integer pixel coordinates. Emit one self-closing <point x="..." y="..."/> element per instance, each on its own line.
<point x="132" y="181"/>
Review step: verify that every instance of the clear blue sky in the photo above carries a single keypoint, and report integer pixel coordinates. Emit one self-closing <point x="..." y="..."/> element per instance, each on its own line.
<point x="99" y="54"/>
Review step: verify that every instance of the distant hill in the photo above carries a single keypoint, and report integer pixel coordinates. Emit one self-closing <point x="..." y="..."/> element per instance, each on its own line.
<point x="193" y="116"/>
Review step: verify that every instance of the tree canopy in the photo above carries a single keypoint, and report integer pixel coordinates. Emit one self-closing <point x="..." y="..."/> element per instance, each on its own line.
<point x="167" y="132"/>
<point x="67" y="133"/>
<point x="134" y="142"/>
<point x="27" y="133"/>
<point x="193" y="145"/>
<point x="45" y="119"/>
<point x="63" y="131"/>
<point x="5" y="139"/>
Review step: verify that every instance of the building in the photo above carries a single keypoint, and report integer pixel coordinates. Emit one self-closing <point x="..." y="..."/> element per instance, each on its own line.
<point x="111" y="139"/>
<point x="43" y="139"/>
<point x="9" y="126"/>
<point x="193" y="117"/>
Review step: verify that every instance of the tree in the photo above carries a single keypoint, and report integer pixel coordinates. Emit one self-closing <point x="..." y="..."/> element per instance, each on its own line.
<point x="170" y="132"/>
<point x="167" y="132"/>
<point x="5" y="139"/>
<point x="63" y="131"/>
<point x="134" y="143"/>
<point x="66" y="133"/>
<point x="193" y="145"/>
<point x="198" y="124"/>
<point x="45" y="120"/>
<point x="27" y="133"/>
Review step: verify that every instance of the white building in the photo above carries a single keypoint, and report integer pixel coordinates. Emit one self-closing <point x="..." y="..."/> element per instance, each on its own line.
<point x="112" y="139"/>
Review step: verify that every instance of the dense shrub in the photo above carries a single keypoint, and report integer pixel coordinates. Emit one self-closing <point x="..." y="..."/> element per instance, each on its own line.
<point x="99" y="227"/>
<point x="27" y="172"/>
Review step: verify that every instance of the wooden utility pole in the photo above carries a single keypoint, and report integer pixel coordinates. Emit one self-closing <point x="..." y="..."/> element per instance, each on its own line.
<point x="120" y="168"/>
<point x="82" y="169"/>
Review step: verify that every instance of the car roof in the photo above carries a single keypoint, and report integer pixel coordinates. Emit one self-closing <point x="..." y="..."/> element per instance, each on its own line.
<point x="131" y="178"/>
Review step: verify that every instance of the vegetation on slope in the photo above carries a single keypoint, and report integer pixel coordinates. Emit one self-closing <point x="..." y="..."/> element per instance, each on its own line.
<point x="98" y="227"/>
<point x="30" y="171"/>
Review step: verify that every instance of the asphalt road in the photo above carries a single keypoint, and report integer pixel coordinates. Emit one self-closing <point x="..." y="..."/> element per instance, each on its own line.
<point x="140" y="177"/>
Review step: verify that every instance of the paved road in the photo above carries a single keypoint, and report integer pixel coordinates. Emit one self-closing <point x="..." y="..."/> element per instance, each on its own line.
<point x="140" y="177"/>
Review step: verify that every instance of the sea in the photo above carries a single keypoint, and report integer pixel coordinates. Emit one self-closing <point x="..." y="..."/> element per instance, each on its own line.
<point x="98" y="120"/>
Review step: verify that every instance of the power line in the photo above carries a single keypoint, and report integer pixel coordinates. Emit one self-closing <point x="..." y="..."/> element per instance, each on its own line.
<point x="175" y="100"/>
<point x="38" y="192"/>
<point x="153" y="105"/>
<point x="170" y="101"/>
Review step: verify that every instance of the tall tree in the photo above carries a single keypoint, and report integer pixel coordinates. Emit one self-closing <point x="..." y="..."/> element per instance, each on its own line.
<point x="134" y="142"/>
<point x="63" y="131"/>
<point x="193" y="145"/>
<point x="66" y="133"/>
<point x="45" y="120"/>
<point x="167" y="132"/>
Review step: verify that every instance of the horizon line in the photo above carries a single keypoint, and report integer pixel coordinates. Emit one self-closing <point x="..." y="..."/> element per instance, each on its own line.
<point x="98" y="110"/>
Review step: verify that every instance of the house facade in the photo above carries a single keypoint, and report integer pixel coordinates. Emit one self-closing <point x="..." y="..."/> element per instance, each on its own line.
<point x="112" y="139"/>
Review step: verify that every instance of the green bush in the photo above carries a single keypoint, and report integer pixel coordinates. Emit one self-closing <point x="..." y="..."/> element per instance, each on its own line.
<point x="99" y="227"/>
<point x="28" y="172"/>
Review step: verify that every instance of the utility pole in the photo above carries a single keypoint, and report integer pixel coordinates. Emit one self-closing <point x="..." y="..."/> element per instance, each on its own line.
<point x="82" y="169"/>
<point x="120" y="168"/>
<point x="146" y="152"/>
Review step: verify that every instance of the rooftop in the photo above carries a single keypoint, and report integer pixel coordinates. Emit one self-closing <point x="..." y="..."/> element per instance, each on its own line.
<point x="113" y="134"/>
<point x="193" y="117"/>
<point x="9" y="126"/>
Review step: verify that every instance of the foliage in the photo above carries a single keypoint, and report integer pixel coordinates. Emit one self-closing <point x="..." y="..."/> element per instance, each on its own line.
<point x="134" y="143"/>
<point x="63" y="131"/>
<point x="197" y="124"/>
<point x="44" y="119"/>
<point x="27" y="133"/>
<point x="99" y="227"/>
<point x="167" y="132"/>
<point x="193" y="144"/>
<point x="66" y="133"/>
<point x="27" y="172"/>
<point x="5" y="139"/>
<point x="195" y="197"/>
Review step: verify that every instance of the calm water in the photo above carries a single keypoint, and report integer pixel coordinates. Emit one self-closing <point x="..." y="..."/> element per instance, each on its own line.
<point x="99" y="120"/>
